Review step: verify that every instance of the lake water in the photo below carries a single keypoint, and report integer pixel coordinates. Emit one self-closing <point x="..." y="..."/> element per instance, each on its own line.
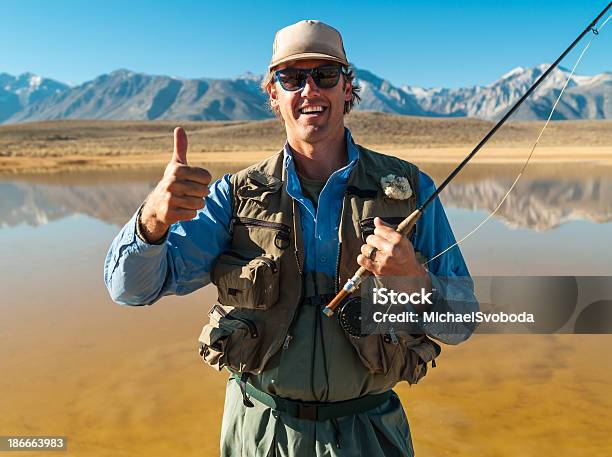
<point x="128" y="381"/>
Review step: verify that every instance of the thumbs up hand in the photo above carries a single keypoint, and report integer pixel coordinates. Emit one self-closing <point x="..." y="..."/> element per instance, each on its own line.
<point x="179" y="194"/>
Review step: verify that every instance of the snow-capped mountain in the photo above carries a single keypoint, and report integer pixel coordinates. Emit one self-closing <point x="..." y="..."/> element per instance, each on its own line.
<point x="124" y="94"/>
<point x="586" y="97"/>
<point x="129" y="95"/>
<point x="16" y="93"/>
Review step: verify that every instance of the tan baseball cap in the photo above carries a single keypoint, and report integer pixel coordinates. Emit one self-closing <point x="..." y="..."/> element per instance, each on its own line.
<point x="307" y="40"/>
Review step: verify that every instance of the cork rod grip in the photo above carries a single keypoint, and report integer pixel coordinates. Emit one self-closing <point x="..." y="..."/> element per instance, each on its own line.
<point x="407" y="224"/>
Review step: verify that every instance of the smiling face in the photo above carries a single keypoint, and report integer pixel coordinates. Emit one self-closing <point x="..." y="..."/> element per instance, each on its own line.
<point x="311" y="114"/>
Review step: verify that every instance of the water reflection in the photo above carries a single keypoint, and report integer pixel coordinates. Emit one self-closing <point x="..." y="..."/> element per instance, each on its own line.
<point x="73" y="363"/>
<point x="110" y="197"/>
<point x="538" y="204"/>
<point x="38" y="204"/>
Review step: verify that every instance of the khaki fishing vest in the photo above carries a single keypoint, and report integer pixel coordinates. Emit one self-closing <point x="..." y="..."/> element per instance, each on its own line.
<point x="260" y="278"/>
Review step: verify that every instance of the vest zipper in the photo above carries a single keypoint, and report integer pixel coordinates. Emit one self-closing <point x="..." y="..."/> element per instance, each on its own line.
<point x="337" y="281"/>
<point x="288" y="336"/>
<point x="252" y="327"/>
<point x="249" y="221"/>
<point x="288" y="339"/>
<point x="393" y="336"/>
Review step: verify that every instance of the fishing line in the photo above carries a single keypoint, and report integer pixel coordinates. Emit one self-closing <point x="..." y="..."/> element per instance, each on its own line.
<point x="409" y="222"/>
<point x="516" y="180"/>
<point x="520" y="174"/>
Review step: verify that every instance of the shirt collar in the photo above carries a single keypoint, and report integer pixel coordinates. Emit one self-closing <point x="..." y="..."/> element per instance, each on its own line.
<point x="352" y="151"/>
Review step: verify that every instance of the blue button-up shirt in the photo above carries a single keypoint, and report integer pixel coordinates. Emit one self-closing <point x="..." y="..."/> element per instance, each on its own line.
<point x="138" y="273"/>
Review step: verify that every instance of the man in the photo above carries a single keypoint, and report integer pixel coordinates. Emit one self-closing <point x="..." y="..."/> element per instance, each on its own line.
<point x="278" y="239"/>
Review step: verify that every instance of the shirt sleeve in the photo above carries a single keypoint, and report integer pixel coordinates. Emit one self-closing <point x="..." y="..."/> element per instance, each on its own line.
<point x="139" y="273"/>
<point x="453" y="288"/>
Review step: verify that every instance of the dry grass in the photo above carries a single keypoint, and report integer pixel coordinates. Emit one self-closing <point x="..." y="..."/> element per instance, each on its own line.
<point x="65" y="145"/>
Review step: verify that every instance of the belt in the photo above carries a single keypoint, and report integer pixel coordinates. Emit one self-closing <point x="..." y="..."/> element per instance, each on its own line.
<point x="315" y="411"/>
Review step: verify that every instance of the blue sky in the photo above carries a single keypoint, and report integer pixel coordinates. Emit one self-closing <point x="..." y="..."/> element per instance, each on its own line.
<point x="424" y="43"/>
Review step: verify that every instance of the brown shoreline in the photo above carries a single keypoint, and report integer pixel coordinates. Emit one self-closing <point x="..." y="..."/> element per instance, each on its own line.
<point x="72" y="145"/>
<point x="598" y="159"/>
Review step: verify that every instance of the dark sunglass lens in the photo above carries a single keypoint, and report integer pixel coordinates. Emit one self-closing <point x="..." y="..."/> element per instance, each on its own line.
<point x="327" y="77"/>
<point x="291" y="79"/>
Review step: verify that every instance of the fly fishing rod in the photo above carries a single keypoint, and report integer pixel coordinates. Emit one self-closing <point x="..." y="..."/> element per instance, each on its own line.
<point x="409" y="222"/>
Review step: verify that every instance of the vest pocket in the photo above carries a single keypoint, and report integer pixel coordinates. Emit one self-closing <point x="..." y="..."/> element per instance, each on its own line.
<point x="399" y="357"/>
<point x="262" y="234"/>
<point x="244" y="281"/>
<point x="377" y="352"/>
<point x="229" y="340"/>
<point x="418" y="352"/>
<point x="212" y="346"/>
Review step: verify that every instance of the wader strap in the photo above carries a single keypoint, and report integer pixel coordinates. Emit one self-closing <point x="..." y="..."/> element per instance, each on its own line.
<point x="243" y="388"/>
<point x="311" y="410"/>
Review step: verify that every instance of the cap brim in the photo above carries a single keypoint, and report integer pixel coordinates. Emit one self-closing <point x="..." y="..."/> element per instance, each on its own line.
<point x="306" y="56"/>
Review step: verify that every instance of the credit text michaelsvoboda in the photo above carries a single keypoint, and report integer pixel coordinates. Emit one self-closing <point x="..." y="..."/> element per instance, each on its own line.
<point x="384" y="296"/>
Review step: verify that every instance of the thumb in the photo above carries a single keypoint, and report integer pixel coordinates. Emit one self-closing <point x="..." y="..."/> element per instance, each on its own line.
<point x="180" y="146"/>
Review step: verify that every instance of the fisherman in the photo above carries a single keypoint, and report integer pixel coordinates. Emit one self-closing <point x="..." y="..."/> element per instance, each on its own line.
<point x="278" y="239"/>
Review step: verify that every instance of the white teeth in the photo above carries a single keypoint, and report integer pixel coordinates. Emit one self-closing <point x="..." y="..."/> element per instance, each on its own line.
<point x="312" y="109"/>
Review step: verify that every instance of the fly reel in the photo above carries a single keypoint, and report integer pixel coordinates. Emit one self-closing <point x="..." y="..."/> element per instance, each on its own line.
<point x="351" y="321"/>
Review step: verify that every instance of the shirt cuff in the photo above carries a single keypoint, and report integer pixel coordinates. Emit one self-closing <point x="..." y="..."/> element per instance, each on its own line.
<point x="139" y="234"/>
<point x="450" y="295"/>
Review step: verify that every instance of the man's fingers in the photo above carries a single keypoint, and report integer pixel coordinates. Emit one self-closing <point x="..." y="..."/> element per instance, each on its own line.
<point x="189" y="189"/>
<point x="180" y="146"/>
<point x="372" y="267"/>
<point x="380" y="243"/>
<point x="390" y="241"/>
<point x="187" y="202"/>
<point x="196" y="174"/>
<point x="386" y="232"/>
<point x="183" y="214"/>
<point x="366" y="250"/>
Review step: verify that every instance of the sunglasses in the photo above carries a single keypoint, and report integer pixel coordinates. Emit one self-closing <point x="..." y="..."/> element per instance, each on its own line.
<point x="292" y="79"/>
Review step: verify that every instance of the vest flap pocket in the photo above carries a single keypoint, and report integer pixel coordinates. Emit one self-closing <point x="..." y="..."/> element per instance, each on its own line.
<point x="427" y="350"/>
<point x="416" y="359"/>
<point x="259" y="186"/>
<point x="260" y="235"/>
<point x="265" y="179"/>
<point x="212" y="345"/>
<point x="397" y="355"/>
<point x="376" y="352"/>
<point x="228" y="339"/>
<point x="246" y="281"/>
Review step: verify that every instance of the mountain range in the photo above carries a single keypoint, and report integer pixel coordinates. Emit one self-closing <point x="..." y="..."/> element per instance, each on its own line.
<point x="128" y="95"/>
